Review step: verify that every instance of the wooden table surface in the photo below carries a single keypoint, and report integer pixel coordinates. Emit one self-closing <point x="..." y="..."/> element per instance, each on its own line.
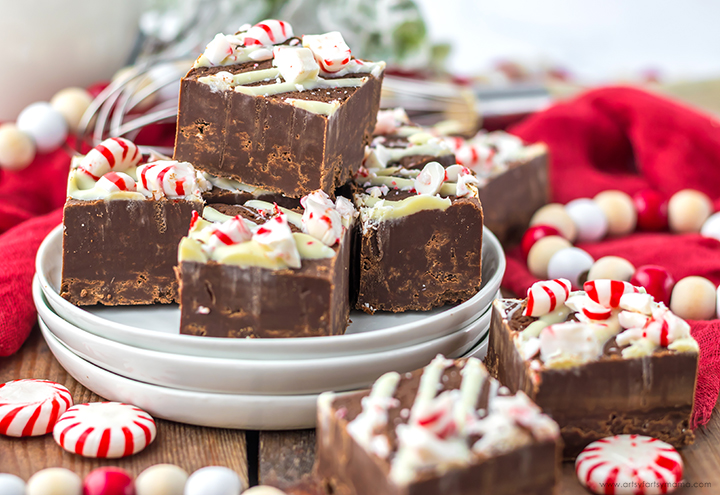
<point x="282" y="459"/>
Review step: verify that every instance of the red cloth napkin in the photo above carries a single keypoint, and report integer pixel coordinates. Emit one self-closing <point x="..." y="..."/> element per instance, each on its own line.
<point x="628" y="139"/>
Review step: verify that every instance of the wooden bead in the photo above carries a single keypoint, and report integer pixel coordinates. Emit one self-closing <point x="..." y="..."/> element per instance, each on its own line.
<point x="71" y="103"/>
<point x="214" y="480"/>
<point x="554" y="214"/>
<point x="17" y="149"/>
<point x="619" y="210"/>
<point x="687" y="211"/>
<point x="590" y="220"/>
<point x="58" y="481"/>
<point x="570" y="263"/>
<point x="161" y="479"/>
<point x="694" y="298"/>
<point x="612" y="268"/>
<point x="140" y="83"/>
<point x="541" y="252"/>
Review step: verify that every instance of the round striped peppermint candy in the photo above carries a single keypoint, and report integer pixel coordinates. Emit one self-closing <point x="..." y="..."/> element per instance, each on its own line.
<point x="608" y="292"/>
<point x="104" y="429"/>
<point x="117" y="154"/>
<point x="629" y="464"/>
<point x="31" y="407"/>
<point x="546" y="296"/>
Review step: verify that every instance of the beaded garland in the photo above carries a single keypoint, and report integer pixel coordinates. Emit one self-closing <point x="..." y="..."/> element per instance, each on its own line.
<point x="547" y="244"/>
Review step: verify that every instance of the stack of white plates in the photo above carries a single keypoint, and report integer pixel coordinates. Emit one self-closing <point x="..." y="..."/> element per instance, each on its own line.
<point x="137" y="355"/>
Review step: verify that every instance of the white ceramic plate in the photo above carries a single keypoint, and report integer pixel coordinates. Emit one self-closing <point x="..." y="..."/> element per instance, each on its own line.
<point x="157" y="327"/>
<point x="252" y="412"/>
<point x="243" y="376"/>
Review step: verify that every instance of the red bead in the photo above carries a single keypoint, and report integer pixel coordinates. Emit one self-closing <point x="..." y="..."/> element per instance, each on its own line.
<point x="652" y="210"/>
<point x="534" y="234"/>
<point x="108" y="481"/>
<point x="656" y="280"/>
<point x="97" y="88"/>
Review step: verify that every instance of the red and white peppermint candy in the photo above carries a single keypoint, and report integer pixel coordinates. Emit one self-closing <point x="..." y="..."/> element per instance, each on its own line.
<point x="437" y="416"/>
<point x="629" y="464"/>
<point x="276" y="234"/>
<point x="546" y="296"/>
<point x="233" y="231"/>
<point x="167" y="178"/>
<point x="117" y="181"/>
<point x="330" y="50"/>
<point x="31" y="407"/>
<point x="268" y="32"/>
<point x="105" y="430"/>
<point x="430" y="179"/>
<point x="608" y="292"/>
<point x="320" y="218"/>
<point x="116" y="154"/>
<point x="218" y="49"/>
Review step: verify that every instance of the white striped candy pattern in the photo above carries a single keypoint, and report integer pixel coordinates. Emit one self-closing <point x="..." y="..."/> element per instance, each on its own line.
<point x="31" y="407"/>
<point x="546" y="296"/>
<point x="268" y="32"/>
<point x="105" y="430"/>
<point x="166" y="178"/>
<point x="331" y="52"/>
<point x="113" y="154"/>
<point x="233" y="231"/>
<point x="117" y="181"/>
<point x="608" y="292"/>
<point x="629" y="464"/>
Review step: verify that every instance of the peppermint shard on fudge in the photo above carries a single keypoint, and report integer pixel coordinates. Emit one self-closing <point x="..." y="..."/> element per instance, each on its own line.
<point x="122" y="224"/>
<point x="448" y="428"/>
<point x="420" y="241"/>
<point x="271" y="110"/>
<point x="604" y="361"/>
<point x="260" y="270"/>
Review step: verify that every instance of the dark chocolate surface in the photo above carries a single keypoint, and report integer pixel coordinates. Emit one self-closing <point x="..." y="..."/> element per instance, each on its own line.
<point x="122" y="252"/>
<point x="218" y="300"/>
<point x="345" y="468"/>
<point x="421" y="261"/>
<point x="649" y="396"/>
<point x="265" y="142"/>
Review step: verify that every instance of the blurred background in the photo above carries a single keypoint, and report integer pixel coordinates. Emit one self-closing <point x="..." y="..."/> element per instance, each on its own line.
<point x="461" y="59"/>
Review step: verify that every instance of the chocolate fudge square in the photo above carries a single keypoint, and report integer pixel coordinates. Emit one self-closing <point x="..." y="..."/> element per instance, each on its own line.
<point x="235" y="285"/>
<point x="417" y="251"/>
<point x="120" y="237"/>
<point x="284" y="131"/>
<point x="616" y="382"/>
<point x="448" y="428"/>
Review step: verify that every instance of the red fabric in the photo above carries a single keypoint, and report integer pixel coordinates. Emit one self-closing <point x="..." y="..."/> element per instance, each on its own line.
<point x="628" y="139"/>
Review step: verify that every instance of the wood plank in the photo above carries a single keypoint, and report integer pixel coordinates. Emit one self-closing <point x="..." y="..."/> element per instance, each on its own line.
<point x="286" y="460"/>
<point x="189" y="447"/>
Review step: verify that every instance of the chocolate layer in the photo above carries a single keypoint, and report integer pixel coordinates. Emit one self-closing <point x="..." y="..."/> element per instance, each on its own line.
<point x="266" y="142"/>
<point x="345" y="468"/>
<point x="122" y="252"/>
<point x="511" y="198"/>
<point x="421" y="261"/>
<point x="219" y="300"/>
<point x="613" y="395"/>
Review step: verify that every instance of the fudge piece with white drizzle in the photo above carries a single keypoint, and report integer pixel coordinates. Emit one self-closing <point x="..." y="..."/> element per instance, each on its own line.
<point x="122" y="223"/>
<point x="420" y="238"/>
<point x="260" y="270"/>
<point x="603" y="361"/>
<point x="448" y="428"/>
<point x="287" y="114"/>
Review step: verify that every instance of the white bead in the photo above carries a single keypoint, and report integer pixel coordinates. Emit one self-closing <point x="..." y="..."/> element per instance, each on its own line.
<point x="711" y="227"/>
<point x="17" y="149"/>
<point x="611" y="268"/>
<point x="214" y="480"/>
<point x="554" y="214"/>
<point x="687" y="211"/>
<point x="11" y="485"/>
<point x="55" y="481"/>
<point x="590" y="220"/>
<point x="569" y="263"/>
<point x="541" y="252"/>
<point x="264" y="490"/>
<point x="694" y="298"/>
<point x="619" y="210"/>
<point x="161" y="479"/>
<point x="71" y="103"/>
<point x="45" y="125"/>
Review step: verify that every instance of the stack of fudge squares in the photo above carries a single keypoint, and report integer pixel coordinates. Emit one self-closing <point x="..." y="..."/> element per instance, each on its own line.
<point x="289" y="200"/>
